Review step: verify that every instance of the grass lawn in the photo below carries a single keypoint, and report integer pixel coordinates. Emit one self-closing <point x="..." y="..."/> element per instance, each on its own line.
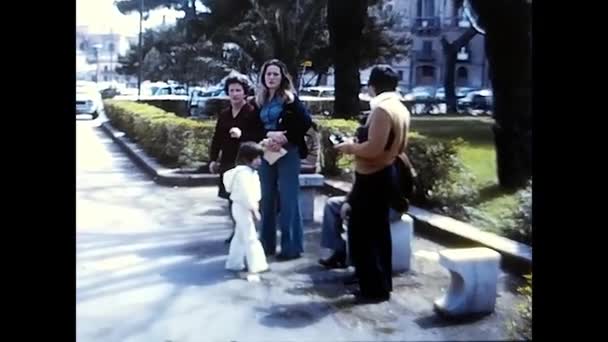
<point x="478" y="155"/>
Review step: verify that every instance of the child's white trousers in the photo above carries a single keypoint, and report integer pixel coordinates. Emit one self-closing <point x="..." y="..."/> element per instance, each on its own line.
<point x="245" y="246"/>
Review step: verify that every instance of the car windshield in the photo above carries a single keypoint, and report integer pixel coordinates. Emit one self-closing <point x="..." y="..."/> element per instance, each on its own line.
<point x="463" y="91"/>
<point x="426" y="90"/>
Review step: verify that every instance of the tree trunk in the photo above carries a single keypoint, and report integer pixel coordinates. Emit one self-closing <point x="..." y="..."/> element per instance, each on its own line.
<point x="508" y="46"/>
<point x="450" y="51"/>
<point x="448" y="82"/>
<point x="345" y="20"/>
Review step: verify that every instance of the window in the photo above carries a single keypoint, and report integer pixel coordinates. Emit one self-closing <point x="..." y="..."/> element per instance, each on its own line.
<point x="427" y="46"/>
<point x="425" y="8"/>
<point x="462" y="73"/>
<point x="428" y="71"/>
<point x="400" y="74"/>
<point x="83" y="46"/>
<point x="111" y="47"/>
<point x="105" y="78"/>
<point x="105" y="68"/>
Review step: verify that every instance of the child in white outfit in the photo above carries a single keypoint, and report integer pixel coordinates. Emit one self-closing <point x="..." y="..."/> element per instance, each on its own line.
<point x="243" y="184"/>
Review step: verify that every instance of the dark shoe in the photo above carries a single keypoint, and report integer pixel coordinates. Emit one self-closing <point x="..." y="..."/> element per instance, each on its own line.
<point x="336" y="260"/>
<point x="353" y="280"/>
<point x="283" y="257"/>
<point x="361" y="299"/>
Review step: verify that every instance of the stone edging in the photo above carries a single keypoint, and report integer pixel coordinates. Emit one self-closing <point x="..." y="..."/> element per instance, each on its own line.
<point x="160" y="174"/>
<point x="514" y="252"/>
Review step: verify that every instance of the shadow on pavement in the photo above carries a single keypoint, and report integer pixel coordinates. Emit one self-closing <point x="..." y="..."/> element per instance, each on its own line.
<point x="199" y="273"/>
<point x="201" y="263"/>
<point x="439" y="321"/>
<point x="300" y="315"/>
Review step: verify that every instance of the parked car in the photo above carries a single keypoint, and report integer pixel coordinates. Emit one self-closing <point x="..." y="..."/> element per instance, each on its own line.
<point x="199" y="99"/>
<point x="170" y="89"/>
<point x="109" y="93"/>
<point x="321" y="91"/>
<point x="477" y="102"/>
<point x="420" y="94"/>
<point x="88" y="99"/>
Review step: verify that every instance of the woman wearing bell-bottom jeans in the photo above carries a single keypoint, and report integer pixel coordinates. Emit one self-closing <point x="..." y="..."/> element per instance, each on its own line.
<point x="286" y="122"/>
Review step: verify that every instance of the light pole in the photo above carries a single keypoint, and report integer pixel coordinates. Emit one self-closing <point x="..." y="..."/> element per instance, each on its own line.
<point x="97" y="47"/>
<point x="139" y="74"/>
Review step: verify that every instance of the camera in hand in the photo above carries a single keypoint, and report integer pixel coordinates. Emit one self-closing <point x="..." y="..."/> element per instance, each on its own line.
<point x="336" y="139"/>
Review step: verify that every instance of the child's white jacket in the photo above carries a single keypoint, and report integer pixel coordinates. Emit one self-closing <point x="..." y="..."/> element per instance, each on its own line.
<point x="243" y="184"/>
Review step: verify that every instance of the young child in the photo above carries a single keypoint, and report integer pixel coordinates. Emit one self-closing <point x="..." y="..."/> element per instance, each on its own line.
<point x="243" y="184"/>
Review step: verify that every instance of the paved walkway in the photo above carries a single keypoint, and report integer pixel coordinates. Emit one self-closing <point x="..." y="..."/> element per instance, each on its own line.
<point x="150" y="267"/>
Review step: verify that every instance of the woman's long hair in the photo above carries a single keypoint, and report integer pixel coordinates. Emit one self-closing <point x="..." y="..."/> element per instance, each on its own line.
<point x="262" y="93"/>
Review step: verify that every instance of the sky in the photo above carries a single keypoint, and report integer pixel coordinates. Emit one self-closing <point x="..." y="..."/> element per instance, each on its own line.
<point x="101" y="16"/>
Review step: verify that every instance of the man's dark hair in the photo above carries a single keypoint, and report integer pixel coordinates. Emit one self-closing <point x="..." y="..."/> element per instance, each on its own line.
<point x="237" y="80"/>
<point x="383" y="78"/>
<point x="248" y="151"/>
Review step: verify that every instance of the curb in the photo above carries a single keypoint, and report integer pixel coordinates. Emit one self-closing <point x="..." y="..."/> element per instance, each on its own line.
<point x="516" y="255"/>
<point x="159" y="174"/>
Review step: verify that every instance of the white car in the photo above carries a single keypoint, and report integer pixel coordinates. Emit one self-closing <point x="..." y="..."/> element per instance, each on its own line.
<point x="88" y="99"/>
<point x="318" y="92"/>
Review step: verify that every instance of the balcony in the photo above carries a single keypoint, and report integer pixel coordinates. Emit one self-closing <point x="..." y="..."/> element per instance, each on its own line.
<point x="426" y="26"/>
<point x="425" y="55"/>
<point x="455" y="22"/>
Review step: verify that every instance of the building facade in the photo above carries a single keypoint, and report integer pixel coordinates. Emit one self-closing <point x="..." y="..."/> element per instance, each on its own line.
<point x="428" y="21"/>
<point x="97" y="55"/>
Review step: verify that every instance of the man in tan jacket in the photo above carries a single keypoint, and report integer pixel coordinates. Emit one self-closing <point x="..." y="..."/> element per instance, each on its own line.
<point x="369" y="235"/>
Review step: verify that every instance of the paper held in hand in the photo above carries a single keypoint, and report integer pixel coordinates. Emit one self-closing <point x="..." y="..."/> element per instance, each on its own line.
<point x="271" y="156"/>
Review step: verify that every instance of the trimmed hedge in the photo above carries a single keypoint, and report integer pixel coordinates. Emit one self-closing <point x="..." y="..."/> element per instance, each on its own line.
<point x="173" y="141"/>
<point x="179" y="107"/>
<point x="443" y="181"/>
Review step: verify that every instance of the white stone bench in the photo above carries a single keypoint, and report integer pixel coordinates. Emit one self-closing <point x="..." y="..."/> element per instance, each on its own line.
<point x="310" y="184"/>
<point x="402" y="232"/>
<point x="474" y="278"/>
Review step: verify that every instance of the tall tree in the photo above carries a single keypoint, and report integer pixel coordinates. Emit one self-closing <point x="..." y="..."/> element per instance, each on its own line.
<point x="292" y="31"/>
<point x="346" y="20"/>
<point x="507" y="26"/>
<point x="450" y="51"/>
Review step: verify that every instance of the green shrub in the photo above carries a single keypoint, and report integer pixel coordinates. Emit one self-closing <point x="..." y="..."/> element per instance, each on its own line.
<point x="519" y="228"/>
<point x="178" y="107"/>
<point x="333" y="163"/>
<point x="521" y="327"/>
<point x="172" y="140"/>
<point x="443" y="180"/>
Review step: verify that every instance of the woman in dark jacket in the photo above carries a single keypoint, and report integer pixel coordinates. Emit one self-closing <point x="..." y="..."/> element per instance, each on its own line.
<point x="286" y="122"/>
<point x="238" y="123"/>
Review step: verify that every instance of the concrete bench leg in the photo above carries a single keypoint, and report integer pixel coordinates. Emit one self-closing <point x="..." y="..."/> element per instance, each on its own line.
<point x="307" y="203"/>
<point x="309" y="185"/>
<point x="474" y="278"/>
<point x="402" y="232"/>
